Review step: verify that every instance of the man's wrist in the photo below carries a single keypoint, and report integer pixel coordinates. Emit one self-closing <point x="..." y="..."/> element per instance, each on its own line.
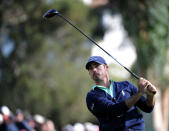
<point x="150" y="95"/>
<point x="150" y="100"/>
<point x="140" y="93"/>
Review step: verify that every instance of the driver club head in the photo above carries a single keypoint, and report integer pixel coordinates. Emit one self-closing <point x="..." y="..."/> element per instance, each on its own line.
<point x="50" y="13"/>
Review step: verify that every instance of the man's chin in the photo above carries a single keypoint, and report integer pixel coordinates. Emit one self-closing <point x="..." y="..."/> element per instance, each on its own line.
<point x="97" y="79"/>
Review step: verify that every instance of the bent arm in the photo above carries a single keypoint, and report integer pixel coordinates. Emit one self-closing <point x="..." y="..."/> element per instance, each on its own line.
<point x="99" y="105"/>
<point x="150" y="96"/>
<point x="150" y="101"/>
<point x="133" y="99"/>
<point x="143" y="105"/>
<point x="146" y="104"/>
<point x="149" y="89"/>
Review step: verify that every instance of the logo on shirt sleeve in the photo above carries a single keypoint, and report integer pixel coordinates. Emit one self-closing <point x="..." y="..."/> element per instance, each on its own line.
<point x="92" y="106"/>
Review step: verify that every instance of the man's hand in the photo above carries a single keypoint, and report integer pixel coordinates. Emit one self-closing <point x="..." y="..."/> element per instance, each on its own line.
<point x="151" y="90"/>
<point x="144" y="86"/>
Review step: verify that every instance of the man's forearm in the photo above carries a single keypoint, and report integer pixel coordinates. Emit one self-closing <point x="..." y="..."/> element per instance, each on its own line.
<point x="133" y="99"/>
<point x="150" y="101"/>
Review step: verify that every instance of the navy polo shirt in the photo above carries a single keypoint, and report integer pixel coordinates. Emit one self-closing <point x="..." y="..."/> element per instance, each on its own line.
<point x="107" y="90"/>
<point x="112" y="112"/>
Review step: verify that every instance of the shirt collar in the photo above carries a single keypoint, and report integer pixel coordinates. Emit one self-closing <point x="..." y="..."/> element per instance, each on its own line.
<point x="101" y="87"/>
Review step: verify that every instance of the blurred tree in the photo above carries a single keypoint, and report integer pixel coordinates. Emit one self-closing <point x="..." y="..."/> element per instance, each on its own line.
<point x="41" y="62"/>
<point x="147" y="25"/>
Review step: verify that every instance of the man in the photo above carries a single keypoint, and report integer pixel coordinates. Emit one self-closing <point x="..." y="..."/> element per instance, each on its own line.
<point x="114" y="103"/>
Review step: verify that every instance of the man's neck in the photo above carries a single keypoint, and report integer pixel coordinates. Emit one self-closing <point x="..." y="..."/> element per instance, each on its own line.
<point x="105" y="83"/>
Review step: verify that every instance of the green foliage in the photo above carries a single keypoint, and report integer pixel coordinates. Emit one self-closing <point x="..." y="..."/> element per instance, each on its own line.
<point x="44" y="73"/>
<point x="159" y="36"/>
<point x="147" y="25"/>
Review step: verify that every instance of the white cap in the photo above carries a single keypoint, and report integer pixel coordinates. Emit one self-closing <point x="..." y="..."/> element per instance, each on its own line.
<point x="68" y="128"/>
<point x="79" y="127"/>
<point x="39" y="119"/>
<point x="5" y="110"/>
<point x="91" y="127"/>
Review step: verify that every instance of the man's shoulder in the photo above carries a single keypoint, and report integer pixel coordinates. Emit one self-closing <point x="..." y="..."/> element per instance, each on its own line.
<point x="124" y="84"/>
<point x="95" y="93"/>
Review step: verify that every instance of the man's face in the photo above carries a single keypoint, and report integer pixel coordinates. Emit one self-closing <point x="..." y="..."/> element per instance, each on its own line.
<point x="97" y="71"/>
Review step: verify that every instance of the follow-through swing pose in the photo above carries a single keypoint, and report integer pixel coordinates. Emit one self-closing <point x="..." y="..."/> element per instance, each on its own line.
<point x="114" y="103"/>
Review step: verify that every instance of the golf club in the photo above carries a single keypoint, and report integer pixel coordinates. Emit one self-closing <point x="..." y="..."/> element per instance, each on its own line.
<point x="52" y="12"/>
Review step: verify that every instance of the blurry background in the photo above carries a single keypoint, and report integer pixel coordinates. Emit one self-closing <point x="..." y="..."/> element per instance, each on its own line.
<point x="42" y="63"/>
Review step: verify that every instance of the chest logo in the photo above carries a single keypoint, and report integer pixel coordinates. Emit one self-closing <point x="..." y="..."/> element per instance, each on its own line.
<point x="122" y="92"/>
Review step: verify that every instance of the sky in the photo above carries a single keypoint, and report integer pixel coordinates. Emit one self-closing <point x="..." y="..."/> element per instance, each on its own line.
<point x="7" y="45"/>
<point x="116" y="42"/>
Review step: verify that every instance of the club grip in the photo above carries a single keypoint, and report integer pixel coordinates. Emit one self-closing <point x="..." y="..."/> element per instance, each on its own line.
<point x="154" y="92"/>
<point x="136" y="76"/>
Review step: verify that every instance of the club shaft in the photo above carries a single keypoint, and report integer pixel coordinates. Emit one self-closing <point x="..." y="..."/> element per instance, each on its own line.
<point x="133" y="74"/>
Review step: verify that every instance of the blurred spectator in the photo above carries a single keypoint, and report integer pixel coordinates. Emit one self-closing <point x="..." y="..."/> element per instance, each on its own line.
<point x="39" y="120"/>
<point x="21" y="122"/>
<point x="10" y="125"/>
<point x="1" y="119"/>
<point x="9" y="122"/>
<point x="31" y="122"/>
<point x="68" y="128"/>
<point x="91" y="127"/>
<point x="44" y="127"/>
<point x="5" y="111"/>
<point x="79" y="127"/>
<point x="2" y="126"/>
<point x="8" y="118"/>
<point x="50" y="125"/>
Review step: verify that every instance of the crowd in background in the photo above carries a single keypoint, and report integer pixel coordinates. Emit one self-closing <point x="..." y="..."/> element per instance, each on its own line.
<point x="81" y="127"/>
<point x="10" y="121"/>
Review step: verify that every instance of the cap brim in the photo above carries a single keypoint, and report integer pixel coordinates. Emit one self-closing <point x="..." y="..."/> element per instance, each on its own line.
<point x="88" y="64"/>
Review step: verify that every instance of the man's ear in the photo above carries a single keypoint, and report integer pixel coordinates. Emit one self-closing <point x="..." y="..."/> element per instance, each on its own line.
<point x="107" y="67"/>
